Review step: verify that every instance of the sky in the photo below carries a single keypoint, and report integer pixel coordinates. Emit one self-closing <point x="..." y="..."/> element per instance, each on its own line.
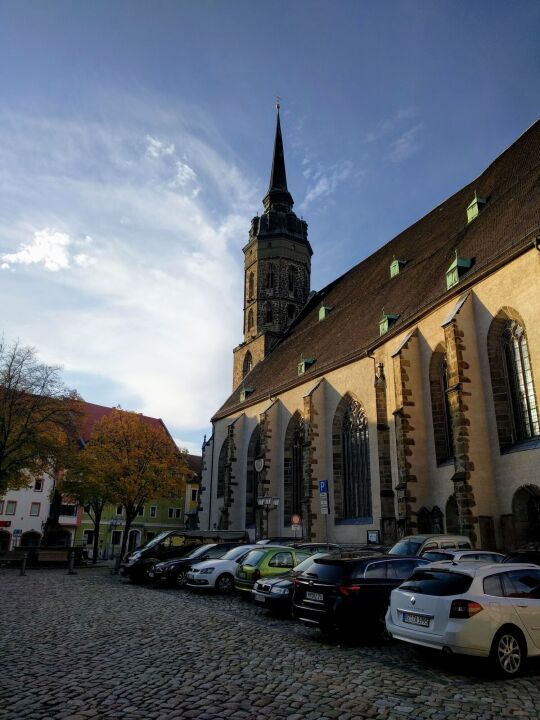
<point x="135" y="147"/>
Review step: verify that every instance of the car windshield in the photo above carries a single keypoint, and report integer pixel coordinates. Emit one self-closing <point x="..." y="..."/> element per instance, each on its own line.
<point x="439" y="584"/>
<point x="407" y="546"/>
<point x="254" y="556"/>
<point x="307" y="563"/>
<point x="199" y="551"/>
<point x="155" y="541"/>
<point x="234" y="553"/>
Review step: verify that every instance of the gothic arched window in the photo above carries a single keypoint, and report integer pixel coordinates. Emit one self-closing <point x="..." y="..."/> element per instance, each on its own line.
<point x="254" y="451"/>
<point x="269" y="313"/>
<point x="251" y="285"/>
<point x="291" y="312"/>
<point x="293" y="467"/>
<point x="516" y="409"/>
<point x="352" y="476"/>
<point x="440" y="408"/>
<point x="520" y="381"/>
<point x="223" y="467"/>
<point x="248" y="364"/>
<point x="270" y="278"/>
<point x="250" y="320"/>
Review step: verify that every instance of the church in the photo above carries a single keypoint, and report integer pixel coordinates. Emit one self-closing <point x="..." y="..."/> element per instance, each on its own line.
<point x="402" y="398"/>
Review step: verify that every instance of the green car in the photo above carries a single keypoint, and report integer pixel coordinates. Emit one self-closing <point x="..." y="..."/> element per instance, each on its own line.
<point x="267" y="562"/>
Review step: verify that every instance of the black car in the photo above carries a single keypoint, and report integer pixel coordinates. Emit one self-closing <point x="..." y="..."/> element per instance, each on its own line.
<point x="523" y="556"/>
<point x="166" y="545"/>
<point x="175" y="571"/>
<point x="276" y="593"/>
<point x="351" y="594"/>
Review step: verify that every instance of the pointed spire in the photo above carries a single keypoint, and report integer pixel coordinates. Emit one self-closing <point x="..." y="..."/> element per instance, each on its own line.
<point x="278" y="196"/>
<point x="278" y="176"/>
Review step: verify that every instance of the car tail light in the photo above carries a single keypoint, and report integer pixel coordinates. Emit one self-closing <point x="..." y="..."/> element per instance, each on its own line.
<point x="349" y="589"/>
<point x="256" y="574"/>
<point x="462" y="609"/>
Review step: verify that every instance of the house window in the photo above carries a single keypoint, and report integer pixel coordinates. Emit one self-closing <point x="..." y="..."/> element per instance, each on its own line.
<point x="34" y="509"/>
<point x="88" y="537"/>
<point x="153" y="511"/>
<point x="177" y="513"/>
<point x="11" y="507"/>
<point x="116" y="537"/>
<point x="140" y="511"/>
<point x="68" y="510"/>
<point x="269" y="313"/>
<point x="171" y="513"/>
<point x="193" y="494"/>
<point x="351" y="463"/>
<point x="119" y="509"/>
<point x="38" y="485"/>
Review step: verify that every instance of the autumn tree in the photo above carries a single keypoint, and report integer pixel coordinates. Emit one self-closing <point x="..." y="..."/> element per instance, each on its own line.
<point x="140" y="460"/>
<point x="39" y="417"/>
<point x="87" y="483"/>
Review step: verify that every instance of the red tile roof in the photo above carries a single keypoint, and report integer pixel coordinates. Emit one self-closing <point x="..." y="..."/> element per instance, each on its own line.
<point x="93" y="413"/>
<point x="508" y="223"/>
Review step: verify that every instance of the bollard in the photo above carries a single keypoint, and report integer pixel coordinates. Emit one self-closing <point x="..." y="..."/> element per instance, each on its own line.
<point x="71" y="563"/>
<point x="23" y="564"/>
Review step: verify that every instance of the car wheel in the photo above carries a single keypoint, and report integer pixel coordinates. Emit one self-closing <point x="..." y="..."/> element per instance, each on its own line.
<point x="225" y="584"/>
<point x="181" y="578"/>
<point x="508" y="652"/>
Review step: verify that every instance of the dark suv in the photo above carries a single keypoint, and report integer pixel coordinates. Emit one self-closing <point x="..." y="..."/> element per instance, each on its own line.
<point x="165" y="546"/>
<point x="350" y="594"/>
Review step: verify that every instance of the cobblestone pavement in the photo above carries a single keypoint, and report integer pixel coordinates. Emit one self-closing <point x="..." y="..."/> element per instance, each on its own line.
<point x="94" y="646"/>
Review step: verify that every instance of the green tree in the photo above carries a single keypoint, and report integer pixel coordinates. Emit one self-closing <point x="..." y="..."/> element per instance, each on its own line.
<point x="39" y="417"/>
<point x="140" y="461"/>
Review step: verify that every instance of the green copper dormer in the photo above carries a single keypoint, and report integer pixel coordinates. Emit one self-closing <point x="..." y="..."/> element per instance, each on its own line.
<point x="245" y="393"/>
<point x="475" y="207"/>
<point x="396" y="266"/>
<point x="324" y="311"/>
<point x="386" y="322"/>
<point x="304" y="364"/>
<point x="456" y="270"/>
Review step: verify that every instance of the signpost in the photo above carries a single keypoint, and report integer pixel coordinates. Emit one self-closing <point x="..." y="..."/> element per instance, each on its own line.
<point x="325" y="507"/>
<point x="296" y="522"/>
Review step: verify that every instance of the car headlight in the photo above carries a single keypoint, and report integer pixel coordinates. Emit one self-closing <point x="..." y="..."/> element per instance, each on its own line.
<point x="279" y="591"/>
<point x="205" y="571"/>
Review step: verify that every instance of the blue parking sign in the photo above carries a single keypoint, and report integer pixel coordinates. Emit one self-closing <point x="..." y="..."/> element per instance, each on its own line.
<point x="323" y="486"/>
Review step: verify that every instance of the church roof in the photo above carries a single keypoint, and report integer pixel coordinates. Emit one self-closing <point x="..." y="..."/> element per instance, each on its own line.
<point x="278" y="176"/>
<point x="508" y="223"/>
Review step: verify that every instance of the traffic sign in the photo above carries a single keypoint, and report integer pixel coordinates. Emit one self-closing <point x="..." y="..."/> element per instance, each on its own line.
<point x="323" y="486"/>
<point x="259" y="464"/>
<point x="296" y="520"/>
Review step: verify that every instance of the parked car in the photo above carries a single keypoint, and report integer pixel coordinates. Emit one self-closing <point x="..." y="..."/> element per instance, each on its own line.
<point x="218" y="573"/>
<point x="418" y="544"/>
<point x="166" y="545"/>
<point x="175" y="571"/>
<point x="328" y="548"/>
<point x="350" y="594"/>
<point x="485" y="556"/>
<point x="265" y="561"/>
<point x="289" y="541"/>
<point x="485" y="610"/>
<point x="275" y="593"/>
<point x="523" y="556"/>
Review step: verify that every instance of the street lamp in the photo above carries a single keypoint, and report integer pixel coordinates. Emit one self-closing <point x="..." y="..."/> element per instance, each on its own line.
<point x="267" y="503"/>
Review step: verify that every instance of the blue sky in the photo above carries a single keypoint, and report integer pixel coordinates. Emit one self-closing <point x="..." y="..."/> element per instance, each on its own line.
<point x="135" y="146"/>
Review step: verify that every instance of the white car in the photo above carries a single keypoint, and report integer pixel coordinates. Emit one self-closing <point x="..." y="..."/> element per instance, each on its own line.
<point x="218" y="574"/>
<point x="485" y="610"/>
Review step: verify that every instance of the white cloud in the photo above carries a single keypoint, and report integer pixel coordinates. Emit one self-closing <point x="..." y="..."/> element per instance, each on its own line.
<point x="405" y="145"/>
<point x="325" y="181"/>
<point x="156" y="148"/>
<point x="48" y="247"/>
<point x="385" y="127"/>
<point x="153" y="328"/>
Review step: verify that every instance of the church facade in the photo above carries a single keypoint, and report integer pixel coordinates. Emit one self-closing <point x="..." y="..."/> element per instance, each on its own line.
<point x="422" y="417"/>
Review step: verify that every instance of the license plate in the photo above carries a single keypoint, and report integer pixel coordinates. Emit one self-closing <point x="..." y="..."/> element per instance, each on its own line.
<point x="413" y="619"/>
<point x="260" y="599"/>
<point x="314" y="596"/>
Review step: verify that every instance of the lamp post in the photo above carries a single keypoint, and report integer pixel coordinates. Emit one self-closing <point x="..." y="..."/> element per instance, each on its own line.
<point x="267" y="503"/>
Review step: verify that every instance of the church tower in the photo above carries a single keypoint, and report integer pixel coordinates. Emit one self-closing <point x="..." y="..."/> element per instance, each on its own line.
<point x="277" y="269"/>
